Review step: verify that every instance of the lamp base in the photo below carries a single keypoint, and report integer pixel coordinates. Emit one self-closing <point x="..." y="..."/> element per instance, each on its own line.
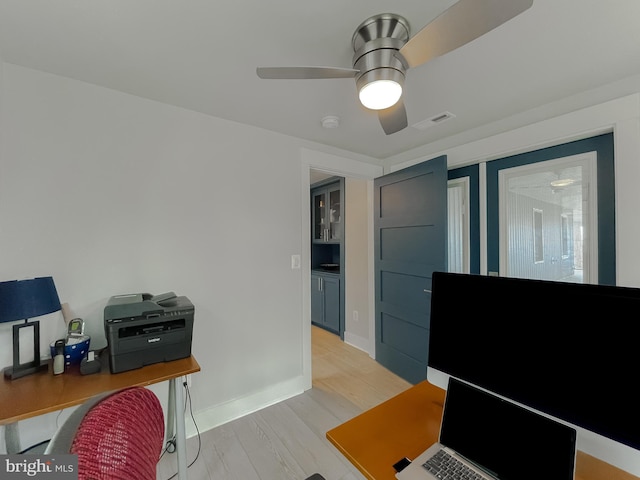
<point x="27" y="368"/>
<point x="12" y="373"/>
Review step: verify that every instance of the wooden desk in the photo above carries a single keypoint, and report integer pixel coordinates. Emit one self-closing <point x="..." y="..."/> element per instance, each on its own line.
<point x="44" y="392"/>
<point x="407" y="424"/>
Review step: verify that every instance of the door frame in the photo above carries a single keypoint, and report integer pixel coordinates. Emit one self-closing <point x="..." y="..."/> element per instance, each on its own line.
<point x="603" y="145"/>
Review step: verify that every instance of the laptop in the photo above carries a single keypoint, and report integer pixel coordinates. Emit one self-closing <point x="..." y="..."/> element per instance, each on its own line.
<point x="493" y="438"/>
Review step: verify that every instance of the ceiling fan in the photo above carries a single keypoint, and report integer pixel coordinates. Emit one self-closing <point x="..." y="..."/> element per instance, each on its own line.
<point x="384" y="52"/>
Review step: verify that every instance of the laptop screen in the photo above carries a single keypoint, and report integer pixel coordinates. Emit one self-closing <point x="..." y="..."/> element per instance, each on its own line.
<point x="509" y="441"/>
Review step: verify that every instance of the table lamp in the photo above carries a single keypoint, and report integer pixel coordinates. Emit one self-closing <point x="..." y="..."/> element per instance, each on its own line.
<point x="24" y="300"/>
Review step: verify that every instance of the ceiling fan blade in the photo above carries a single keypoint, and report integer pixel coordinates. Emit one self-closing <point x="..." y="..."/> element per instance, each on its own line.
<point x="461" y="23"/>
<point x="393" y="119"/>
<point x="296" y="73"/>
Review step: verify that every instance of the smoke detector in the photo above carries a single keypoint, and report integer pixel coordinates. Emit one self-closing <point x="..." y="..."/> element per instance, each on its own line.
<point x="330" y="121"/>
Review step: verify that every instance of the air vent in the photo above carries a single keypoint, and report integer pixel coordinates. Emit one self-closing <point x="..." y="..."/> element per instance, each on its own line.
<point x="435" y="120"/>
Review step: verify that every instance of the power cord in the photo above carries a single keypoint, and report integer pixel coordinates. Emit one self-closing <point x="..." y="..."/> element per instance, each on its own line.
<point x="171" y="443"/>
<point x="29" y="449"/>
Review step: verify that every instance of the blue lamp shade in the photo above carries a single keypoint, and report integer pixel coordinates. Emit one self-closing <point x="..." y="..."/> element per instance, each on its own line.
<point x="24" y="299"/>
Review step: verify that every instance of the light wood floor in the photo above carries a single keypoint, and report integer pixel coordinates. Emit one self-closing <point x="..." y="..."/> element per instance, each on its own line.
<point x="287" y="441"/>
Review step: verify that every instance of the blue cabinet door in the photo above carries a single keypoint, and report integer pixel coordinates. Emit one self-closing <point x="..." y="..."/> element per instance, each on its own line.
<point x="331" y="287"/>
<point x="317" y="300"/>
<point x="325" y="301"/>
<point x="410" y="228"/>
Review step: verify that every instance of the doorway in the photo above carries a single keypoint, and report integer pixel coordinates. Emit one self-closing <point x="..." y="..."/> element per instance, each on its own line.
<point x="550" y="213"/>
<point x="358" y="304"/>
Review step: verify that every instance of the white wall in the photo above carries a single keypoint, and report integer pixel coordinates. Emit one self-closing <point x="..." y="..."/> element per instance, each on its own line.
<point x="111" y="194"/>
<point x="359" y="276"/>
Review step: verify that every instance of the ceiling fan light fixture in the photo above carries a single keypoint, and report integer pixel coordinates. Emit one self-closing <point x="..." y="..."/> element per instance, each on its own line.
<point x="380" y="88"/>
<point x="380" y="94"/>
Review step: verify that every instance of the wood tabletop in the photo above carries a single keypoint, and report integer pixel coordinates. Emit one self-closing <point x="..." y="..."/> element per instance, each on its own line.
<point x="44" y="392"/>
<point x="408" y="424"/>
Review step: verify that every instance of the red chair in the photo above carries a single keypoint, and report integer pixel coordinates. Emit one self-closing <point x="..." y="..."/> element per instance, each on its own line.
<point x="116" y="437"/>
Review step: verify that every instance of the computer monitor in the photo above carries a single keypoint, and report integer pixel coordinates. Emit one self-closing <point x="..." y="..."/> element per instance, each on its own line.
<point x="569" y="350"/>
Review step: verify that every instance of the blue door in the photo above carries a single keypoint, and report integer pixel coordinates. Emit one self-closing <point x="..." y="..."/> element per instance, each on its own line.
<point x="410" y="228"/>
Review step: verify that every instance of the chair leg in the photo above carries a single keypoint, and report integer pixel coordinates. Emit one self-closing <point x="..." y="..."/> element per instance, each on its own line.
<point x="12" y="438"/>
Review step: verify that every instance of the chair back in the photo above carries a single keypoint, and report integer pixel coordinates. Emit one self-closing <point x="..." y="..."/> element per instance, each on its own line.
<point x="120" y="437"/>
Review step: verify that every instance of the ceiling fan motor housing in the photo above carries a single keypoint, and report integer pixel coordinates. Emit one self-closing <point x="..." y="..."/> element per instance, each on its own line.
<point x="376" y="43"/>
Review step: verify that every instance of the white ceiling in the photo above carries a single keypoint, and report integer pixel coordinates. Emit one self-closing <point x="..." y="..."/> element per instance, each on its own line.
<point x="202" y="55"/>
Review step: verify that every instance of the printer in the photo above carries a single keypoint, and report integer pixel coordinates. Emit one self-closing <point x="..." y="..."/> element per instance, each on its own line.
<point x="143" y="329"/>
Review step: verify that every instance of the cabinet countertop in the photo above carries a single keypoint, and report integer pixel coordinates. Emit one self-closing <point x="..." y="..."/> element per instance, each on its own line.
<point x="319" y="271"/>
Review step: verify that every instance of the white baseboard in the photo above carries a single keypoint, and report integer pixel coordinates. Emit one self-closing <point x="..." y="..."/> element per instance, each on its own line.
<point x="359" y="342"/>
<point x="220" y="414"/>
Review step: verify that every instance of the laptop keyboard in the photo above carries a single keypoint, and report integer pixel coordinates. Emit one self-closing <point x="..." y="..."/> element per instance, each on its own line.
<point x="445" y="467"/>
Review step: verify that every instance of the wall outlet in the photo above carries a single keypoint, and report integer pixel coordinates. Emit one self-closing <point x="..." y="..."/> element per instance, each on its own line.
<point x="189" y="380"/>
<point x="355" y="316"/>
<point x="295" y="262"/>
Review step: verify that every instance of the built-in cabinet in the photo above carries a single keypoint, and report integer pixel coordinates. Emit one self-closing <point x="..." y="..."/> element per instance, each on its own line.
<point x="325" y="300"/>
<point x="327" y="255"/>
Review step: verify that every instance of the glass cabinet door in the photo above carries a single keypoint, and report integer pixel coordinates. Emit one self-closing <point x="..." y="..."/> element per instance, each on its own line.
<point x="334" y="214"/>
<point x="319" y="216"/>
<point x="327" y="215"/>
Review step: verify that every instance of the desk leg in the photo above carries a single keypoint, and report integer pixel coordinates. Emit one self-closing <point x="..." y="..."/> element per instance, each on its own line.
<point x="171" y="417"/>
<point x="181" y="437"/>
<point x="12" y="438"/>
